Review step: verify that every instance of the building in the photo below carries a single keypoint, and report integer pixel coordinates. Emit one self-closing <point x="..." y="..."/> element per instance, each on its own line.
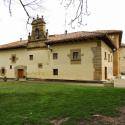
<point x="69" y="56"/>
<point x="122" y="59"/>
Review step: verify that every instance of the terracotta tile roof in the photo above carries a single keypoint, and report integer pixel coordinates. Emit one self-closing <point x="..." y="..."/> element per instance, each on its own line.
<point x="82" y="34"/>
<point x="59" y="38"/>
<point x="109" y="31"/>
<point x="72" y="36"/>
<point x="13" y="45"/>
<point x="54" y="39"/>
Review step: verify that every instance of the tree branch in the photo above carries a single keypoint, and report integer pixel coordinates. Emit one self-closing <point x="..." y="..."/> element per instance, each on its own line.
<point x="10" y="7"/>
<point x="24" y="7"/>
<point x="81" y="10"/>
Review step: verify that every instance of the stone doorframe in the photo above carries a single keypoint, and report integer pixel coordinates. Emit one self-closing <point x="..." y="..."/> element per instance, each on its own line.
<point x="20" y="67"/>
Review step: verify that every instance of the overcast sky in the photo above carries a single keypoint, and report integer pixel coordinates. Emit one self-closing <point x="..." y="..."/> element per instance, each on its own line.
<point x="105" y="14"/>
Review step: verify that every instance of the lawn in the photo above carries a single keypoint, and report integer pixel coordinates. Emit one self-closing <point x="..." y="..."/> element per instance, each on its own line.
<point x="24" y="103"/>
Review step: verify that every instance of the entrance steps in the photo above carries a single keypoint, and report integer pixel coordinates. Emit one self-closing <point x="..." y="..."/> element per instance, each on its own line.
<point x="22" y="79"/>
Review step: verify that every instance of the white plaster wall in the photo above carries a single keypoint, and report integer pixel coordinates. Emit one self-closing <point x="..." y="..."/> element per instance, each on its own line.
<point x="122" y="60"/>
<point x="83" y="71"/>
<point x="5" y="61"/>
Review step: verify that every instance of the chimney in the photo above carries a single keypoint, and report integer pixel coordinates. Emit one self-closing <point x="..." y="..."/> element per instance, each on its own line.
<point x="46" y="33"/>
<point x="65" y="32"/>
<point x="20" y="39"/>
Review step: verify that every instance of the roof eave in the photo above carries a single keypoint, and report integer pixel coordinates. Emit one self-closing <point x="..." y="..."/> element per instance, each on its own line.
<point x="108" y="42"/>
<point x="51" y="42"/>
<point x="15" y="47"/>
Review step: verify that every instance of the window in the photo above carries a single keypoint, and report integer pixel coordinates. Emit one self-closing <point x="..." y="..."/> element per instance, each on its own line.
<point x="75" y="56"/>
<point x="31" y="57"/>
<point x="3" y="71"/>
<point x="111" y="58"/>
<point x="37" y="33"/>
<point x="55" y="71"/>
<point x="108" y="57"/>
<point x="105" y="58"/>
<point x="10" y="66"/>
<point x="55" y="56"/>
<point x="13" y="58"/>
<point x="40" y="65"/>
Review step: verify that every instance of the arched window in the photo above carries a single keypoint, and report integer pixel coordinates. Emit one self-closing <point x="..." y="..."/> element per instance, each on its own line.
<point x="37" y="33"/>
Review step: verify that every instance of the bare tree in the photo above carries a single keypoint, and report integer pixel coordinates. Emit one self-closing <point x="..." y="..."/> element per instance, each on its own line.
<point x="80" y="5"/>
<point x="27" y="5"/>
<point x="81" y="10"/>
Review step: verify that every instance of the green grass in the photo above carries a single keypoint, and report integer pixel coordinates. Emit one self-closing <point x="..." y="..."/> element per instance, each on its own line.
<point x="36" y="104"/>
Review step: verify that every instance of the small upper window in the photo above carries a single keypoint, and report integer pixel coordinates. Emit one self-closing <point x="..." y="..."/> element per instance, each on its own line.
<point x="55" y="55"/>
<point x="13" y="58"/>
<point x="31" y="57"/>
<point x="10" y="66"/>
<point x="111" y="58"/>
<point x="105" y="56"/>
<point x="108" y="57"/>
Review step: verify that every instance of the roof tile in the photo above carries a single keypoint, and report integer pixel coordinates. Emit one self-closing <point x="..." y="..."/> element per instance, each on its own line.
<point x="57" y="38"/>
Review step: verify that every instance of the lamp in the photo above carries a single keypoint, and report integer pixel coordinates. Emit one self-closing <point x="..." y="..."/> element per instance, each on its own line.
<point x="49" y="48"/>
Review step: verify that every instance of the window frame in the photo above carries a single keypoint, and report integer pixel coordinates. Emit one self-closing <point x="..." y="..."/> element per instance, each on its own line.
<point x="76" y="60"/>
<point x="75" y="55"/>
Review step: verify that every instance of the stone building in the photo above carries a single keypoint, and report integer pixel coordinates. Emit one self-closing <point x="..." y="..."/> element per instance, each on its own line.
<point x="69" y="56"/>
<point x="122" y="59"/>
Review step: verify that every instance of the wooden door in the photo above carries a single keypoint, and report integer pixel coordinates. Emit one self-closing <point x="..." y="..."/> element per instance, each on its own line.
<point x="105" y="72"/>
<point x="20" y="73"/>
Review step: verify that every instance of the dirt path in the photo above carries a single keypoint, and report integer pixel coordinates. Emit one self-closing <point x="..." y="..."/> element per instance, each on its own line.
<point x="96" y="120"/>
<point x="105" y="120"/>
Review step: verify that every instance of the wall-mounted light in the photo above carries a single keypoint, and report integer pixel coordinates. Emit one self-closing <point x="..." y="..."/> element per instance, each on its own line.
<point x="114" y="50"/>
<point x="49" y="48"/>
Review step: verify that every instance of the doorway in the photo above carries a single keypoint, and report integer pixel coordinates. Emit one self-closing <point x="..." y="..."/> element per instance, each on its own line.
<point x="20" y="73"/>
<point x="105" y="73"/>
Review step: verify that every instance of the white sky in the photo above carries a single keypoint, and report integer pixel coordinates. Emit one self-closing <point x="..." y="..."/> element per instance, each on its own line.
<point x="105" y="14"/>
